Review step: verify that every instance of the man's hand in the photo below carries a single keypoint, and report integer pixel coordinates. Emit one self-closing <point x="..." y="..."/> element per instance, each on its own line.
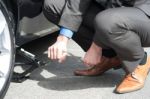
<point x="58" y="51"/>
<point x="93" y="55"/>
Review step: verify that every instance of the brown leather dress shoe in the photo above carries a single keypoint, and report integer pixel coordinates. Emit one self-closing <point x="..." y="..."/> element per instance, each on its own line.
<point x="106" y="64"/>
<point x="135" y="80"/>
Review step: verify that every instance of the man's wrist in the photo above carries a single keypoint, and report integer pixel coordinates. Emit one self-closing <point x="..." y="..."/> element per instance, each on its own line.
<point x="96" y="47"/>
<point x="62" y="38"/>
<point x="66" y="32"/>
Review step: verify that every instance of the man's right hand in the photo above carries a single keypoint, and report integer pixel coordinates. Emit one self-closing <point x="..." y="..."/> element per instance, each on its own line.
<point x="58" y="51"/>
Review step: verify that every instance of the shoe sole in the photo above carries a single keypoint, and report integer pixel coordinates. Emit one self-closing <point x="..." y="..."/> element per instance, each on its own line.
<point x="128" y="91"/>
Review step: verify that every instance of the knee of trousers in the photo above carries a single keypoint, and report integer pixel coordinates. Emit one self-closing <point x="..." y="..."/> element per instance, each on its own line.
<point x="108" y="23"/>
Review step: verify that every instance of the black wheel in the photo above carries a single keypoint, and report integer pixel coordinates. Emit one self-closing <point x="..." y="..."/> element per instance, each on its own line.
<point x="7" y="50"/>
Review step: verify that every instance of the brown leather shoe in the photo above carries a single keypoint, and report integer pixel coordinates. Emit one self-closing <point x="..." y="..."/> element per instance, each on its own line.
<point x="135" y="80"/>
<point x="106" y="64"/>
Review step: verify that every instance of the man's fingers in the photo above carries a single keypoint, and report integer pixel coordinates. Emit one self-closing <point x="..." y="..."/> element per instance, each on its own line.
<point x="52" y="53"/>
<point x="63" y="58"/>
<point x="49" y="52"/>
<point x="55" y="52"/>
<point x="59" y="53"/>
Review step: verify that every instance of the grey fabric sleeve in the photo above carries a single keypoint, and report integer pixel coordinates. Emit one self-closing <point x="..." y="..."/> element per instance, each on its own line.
<point x="72" y="15"/>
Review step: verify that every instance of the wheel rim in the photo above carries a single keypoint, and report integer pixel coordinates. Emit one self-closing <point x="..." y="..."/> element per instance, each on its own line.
<point x="5" y="50"/>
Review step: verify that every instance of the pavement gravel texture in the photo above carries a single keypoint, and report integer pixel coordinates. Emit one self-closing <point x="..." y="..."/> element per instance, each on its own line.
<point x="56" y="81"/>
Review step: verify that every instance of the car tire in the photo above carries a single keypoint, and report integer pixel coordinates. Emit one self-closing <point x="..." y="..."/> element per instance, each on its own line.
<point x="7" y="49"/>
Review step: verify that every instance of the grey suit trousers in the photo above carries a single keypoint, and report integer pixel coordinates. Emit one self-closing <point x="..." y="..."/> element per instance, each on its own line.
<point x="84" y="36"/>
<point x="127" y="31"/>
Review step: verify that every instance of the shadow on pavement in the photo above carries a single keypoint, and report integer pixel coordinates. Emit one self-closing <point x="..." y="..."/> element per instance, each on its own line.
<point x="60" y="76"/>
<point x="64" y="80"/>
<point x="79" y="83"/>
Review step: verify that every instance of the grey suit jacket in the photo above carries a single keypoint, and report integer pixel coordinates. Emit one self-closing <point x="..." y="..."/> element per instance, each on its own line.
<point x="74" y="10"/>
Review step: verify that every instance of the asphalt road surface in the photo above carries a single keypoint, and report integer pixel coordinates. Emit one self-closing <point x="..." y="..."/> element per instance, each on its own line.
<point x="56" y="81"/>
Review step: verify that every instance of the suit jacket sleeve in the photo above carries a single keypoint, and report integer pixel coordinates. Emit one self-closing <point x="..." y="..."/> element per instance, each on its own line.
<point x="72" y="15"/>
